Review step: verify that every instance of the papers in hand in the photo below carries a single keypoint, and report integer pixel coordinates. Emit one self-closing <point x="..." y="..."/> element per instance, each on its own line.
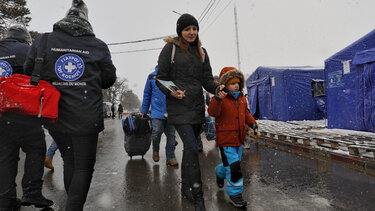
<point x="170" y="86"/>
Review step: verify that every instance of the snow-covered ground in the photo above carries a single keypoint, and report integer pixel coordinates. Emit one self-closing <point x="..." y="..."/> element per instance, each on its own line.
<point x="311" y="123"/>
<point x="317" y="126"/>
<point x="316" y="135"/>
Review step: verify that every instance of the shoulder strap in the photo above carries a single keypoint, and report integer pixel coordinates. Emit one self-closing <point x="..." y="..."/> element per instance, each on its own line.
<point x="173" y="53"/>
<point x="203" y="54"/>
<point x="39" y="60"/>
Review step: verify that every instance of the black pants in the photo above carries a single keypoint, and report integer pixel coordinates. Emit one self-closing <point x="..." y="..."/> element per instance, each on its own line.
<point x="190" y="169"/>
<point x="79" y="156"/>
<point x="31" y="139"/>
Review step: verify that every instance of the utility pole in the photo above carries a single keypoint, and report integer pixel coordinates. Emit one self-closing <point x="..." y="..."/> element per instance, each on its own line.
<point x="237" y="42"/>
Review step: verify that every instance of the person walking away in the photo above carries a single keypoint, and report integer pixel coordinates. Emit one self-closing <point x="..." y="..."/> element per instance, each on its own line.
<point x="120" y="110"/>
<point x="231" y="117"/>
<point x="19" y="131"/>
<point x="49" y="155"/>
<point x="113" y="110"/>
<point x="189" y="68"/>
<point x="154" y="97"/>
<point x="79" y="65"/>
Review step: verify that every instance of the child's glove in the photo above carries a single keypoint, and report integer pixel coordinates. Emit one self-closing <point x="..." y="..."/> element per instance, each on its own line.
<point x="218" y="90"/>
<point x="254" y="130"/>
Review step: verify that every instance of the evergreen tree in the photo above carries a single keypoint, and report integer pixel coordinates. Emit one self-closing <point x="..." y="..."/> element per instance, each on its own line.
<point x="12" y="10"/>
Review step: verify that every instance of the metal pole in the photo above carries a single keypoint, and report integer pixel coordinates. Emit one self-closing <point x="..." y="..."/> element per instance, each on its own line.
<point x="237" y="41"/>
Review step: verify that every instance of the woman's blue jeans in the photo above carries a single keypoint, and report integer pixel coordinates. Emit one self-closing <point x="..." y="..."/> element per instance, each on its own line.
<point x="52" y="149"/>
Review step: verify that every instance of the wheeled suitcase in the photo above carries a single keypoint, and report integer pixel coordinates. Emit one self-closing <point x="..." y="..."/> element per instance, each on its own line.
<point x="137" y="131"/>
<point x="137" y="144"/>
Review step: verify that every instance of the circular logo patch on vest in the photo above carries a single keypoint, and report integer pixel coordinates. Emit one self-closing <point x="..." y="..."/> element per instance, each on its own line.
<point x="69" y="67"/>
<point x="5" y="68"/>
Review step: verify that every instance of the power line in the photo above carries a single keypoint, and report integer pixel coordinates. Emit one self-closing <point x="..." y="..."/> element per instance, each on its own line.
<point x="217" y="16"/>
<point x="144" y="40"/>
<point x="201" y="17"/>
<point x="207" y="11"/>
<point x="133" y="51"/>
<point x="208" y="17"/>
<point x="204" y="10"/>
<point x="176" y="12"/>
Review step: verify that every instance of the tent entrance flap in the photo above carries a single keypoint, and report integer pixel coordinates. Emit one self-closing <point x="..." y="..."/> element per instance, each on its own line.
<point x="259" y="98"/>
<point x="366" y="65"/>
<point x="369" y="96"/>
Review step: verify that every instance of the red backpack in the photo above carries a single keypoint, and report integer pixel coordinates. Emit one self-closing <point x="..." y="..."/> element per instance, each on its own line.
<point x="22" y="94"/>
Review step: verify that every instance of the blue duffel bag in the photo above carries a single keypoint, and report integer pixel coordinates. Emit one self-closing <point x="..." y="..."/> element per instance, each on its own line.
<point x="209" y="128"/>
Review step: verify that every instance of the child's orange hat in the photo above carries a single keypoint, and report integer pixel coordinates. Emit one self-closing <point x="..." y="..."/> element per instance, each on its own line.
<point x="231" y="75"/>
<point x="233" y="80"/>
<point x="225" y="70"/>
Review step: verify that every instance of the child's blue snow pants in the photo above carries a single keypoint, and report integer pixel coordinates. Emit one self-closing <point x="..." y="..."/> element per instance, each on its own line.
<point x="230" y="169"/>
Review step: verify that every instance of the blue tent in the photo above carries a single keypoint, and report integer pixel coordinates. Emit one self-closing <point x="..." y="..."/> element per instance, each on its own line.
<point x="349" y="88"/>
<point x="285" y="93"/>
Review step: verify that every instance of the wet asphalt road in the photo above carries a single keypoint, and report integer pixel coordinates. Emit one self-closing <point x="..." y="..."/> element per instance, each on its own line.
<point x="273" y="180"/>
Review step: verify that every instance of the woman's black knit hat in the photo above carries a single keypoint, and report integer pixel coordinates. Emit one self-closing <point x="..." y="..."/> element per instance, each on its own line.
<point x="184" y="21"/>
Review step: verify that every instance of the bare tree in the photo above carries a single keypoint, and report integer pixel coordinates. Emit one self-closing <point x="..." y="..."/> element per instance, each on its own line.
<point x="114" y="93"/>
<point x="120" y="93"/>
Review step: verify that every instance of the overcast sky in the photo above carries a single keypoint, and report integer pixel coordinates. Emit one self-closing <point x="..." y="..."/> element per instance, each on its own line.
<point x="271" y="32"/>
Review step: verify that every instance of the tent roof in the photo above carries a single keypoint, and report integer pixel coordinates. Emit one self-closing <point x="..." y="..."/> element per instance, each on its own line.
<point x="292" y="67"/>
<point x="365" y="42"/>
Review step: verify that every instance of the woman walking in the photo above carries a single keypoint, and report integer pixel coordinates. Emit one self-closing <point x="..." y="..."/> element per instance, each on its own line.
<point x="186" y="63"/>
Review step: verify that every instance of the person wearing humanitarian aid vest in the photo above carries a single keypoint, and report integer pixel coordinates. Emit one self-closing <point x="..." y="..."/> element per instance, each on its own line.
<point x="19" y="131"/>
<point x="79" y="65"/>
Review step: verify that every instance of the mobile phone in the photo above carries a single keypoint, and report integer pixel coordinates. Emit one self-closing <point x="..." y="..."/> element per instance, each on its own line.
<point x="225" y="89"/>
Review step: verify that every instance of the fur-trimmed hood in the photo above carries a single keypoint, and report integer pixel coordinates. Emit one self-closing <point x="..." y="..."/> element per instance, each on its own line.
<point x="226" y="75"/>
<point x="173" y="40"/>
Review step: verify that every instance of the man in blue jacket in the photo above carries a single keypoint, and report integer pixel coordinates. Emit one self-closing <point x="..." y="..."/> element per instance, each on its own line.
<point x="154" y="97"/>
